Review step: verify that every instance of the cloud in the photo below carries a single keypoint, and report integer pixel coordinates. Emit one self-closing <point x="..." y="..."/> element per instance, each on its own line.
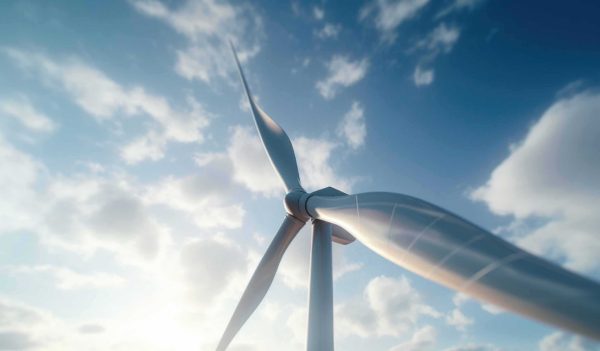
<point x="105" y="99"/>
<point x="474" y="347"/>
<point x="210" y="266"/>
<point x="88" y="213"/>
<point x="315" y="161"/>
<point x="422" y="340"/>
<point x="388" y="306"/>
<point x="554" y="174"/>
<point x="207" y="25"/>
<point x="23" y="111"/>
<point x="458" y="320"/>
<point x="457" y="6"/>
<point x="423" y="77"/>
<point x="560" y="341"/>
<point x="81" y="213"/>
<point x="318" y="13"/>
<point x="439" y="41"/>
<point x="68" y="279"/>
<point x="209" y="197"/>
<point x="22" y="326"/>
<point x="19" y="181"/>
<point x="251" y="165"/>
<point x="329" y="30"/>
<point x="390" y="14"/>
<point x="342" y="72"/>
<point x="353" y="128"/>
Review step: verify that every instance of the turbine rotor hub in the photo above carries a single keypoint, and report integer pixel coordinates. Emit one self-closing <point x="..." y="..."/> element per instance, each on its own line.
<point x="295" y="204"/>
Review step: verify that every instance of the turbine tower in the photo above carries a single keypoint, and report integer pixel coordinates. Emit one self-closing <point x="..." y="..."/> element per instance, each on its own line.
<point x="416" y="235"/>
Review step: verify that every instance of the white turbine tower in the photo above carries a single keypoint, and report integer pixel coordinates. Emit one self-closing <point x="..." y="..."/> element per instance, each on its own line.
<point x="416" y="235"/>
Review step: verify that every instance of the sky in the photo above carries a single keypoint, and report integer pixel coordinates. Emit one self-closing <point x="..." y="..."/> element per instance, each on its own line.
<point x="136" y="198"/>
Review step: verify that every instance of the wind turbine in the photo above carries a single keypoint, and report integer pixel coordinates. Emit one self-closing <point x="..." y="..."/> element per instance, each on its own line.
<point x="416" y="235"/>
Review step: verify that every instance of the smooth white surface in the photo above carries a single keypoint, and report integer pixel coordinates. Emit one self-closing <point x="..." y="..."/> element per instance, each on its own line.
<point x="275" y="140"/>
<point x="261" y="279"/>
<point x="320" y="304"/>
<point x="445" y="248"/>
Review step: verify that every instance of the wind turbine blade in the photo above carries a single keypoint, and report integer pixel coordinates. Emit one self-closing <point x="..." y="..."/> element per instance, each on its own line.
<point x="447" y="249"/>
<point x="261" y="279"/>
<point x="275" y="140"/>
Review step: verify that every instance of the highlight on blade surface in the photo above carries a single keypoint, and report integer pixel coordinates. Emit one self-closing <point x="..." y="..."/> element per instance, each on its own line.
<point x="261" y="279"/>
<point x="275" y="140"/>
<point x="447" y="249"/>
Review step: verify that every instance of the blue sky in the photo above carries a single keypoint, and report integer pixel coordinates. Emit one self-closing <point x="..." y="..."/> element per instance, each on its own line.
<point x="137" y="199"/>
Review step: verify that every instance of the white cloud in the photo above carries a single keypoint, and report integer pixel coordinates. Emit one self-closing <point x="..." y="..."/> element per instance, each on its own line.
<point x="560" y="341"/>
<point x="23" y="327"/>
<point x="342" y="72"/>
<point x="87" y="213"/>
<point x="105" y="99"/>
<point x="389" y="14"/>
<point x="459" y="5"/>
<point x="68" y="279"/>
<point x="20" y="175"/>
<point x="474" y="347"/>
<point x="442" y="38"/>
<point x="315" y="163"/>
<point x="251" y="165"/>
<point x="210" y="266"/>
<point x="458" y="320"/>
<point x="207" y="25"/>
<point x="329" y="30"/>
<point x="423" y="339"/>
<point x="207" y="197"/>
<point x="353" y="127"/>
<point x="318" y="13"/>
<point x="422" y="76"/>
<point x="23" y="110"/>
<point x="554" y="173"/>
<point x="389" y="306"/>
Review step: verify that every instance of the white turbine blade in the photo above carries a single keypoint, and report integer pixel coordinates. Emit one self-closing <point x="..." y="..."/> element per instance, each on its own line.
<point x="275" y="140"/>
<point x="261" y="279"/>
<point x="447" y="249"/>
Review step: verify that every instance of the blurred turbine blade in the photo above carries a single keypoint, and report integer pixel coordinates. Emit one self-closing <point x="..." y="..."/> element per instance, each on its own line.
<point x="261" y="279"/>
<point x="274" y="139"/>
<point x="447" y="249"/>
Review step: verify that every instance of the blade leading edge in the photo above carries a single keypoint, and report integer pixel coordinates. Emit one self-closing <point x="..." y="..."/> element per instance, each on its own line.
<point x="275" y="140"/>
<point x="261" y="279"/>
<point x="447" y="249"/>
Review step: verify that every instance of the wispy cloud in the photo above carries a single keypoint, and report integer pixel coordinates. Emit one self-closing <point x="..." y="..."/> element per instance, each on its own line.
<point x="342" y="72"/>
<point x="377" y="312"/>
<point x="457" y="6"/>
<point x="329" y="31"/>
<point x="352" y="127"/>
<point x="388" y="15"/>
<point x="423" y="76"/>
<point x="439" y="41"/>
<point x="422" y="339"/>
<point x="105" y="99"/>
<point x="457" y="319"/>
<point x="68" y="279"/>
<point x="23" y="111"/>
<point x="208" y="25"/>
